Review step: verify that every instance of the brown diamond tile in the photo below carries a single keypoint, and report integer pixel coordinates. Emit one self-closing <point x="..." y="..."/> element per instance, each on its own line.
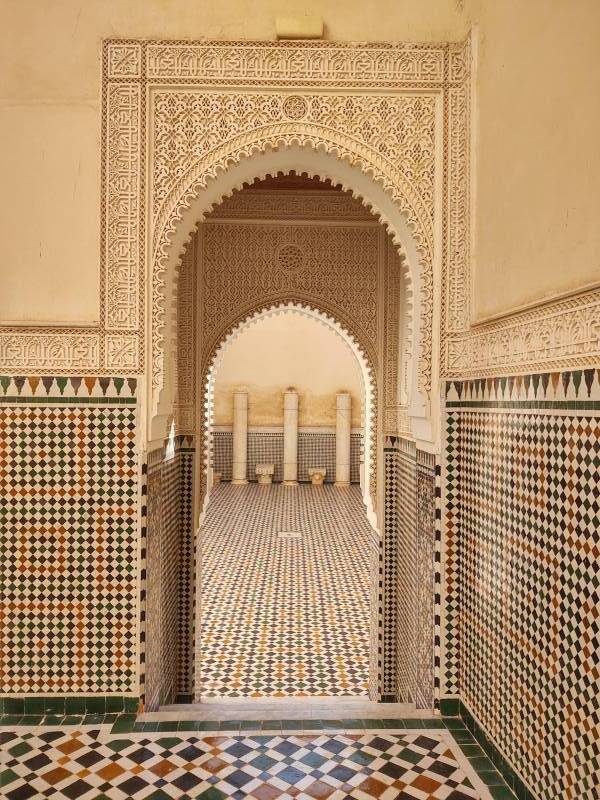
<point x="56" y="775"/>
<point x="110" y="771"/>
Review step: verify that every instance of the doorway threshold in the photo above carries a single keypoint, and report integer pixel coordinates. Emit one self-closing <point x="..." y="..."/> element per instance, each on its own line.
<point x="293" y="708"/>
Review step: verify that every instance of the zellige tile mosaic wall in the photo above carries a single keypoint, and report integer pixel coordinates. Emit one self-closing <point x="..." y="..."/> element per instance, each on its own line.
<point x="169" y="576"/>
<point x="69" y="538"/>
<point x="412" y="574"/>
<point x="522" y="521"/>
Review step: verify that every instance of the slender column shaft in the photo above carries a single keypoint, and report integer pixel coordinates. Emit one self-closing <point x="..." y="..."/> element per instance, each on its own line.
<point x="240" y="437"/>
<point x="290" y="437"/>
<point x="343" y="425"/>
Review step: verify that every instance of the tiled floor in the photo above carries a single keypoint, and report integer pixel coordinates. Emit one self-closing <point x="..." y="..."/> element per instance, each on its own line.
<point x="94" y="764"/>
<point x="285" y="615"/>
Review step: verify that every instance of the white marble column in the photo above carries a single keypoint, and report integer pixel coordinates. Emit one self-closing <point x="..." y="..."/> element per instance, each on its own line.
<point x="240" y="437"/>
<point x="343" y="425"/>
<point x="290" y="437"/>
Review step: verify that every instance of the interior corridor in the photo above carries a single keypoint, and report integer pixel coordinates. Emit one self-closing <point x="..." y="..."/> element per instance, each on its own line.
<point x="285" y="592"/>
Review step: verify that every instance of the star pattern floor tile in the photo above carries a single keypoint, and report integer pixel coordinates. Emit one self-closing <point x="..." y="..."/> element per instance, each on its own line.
<point x="93" y="765"/>
<point x="285" y="615"/>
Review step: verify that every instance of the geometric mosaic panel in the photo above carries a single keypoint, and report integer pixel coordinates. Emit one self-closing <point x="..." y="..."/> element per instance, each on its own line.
<point x="525" y="532"/>
<point x="391" y="609"/>
<point x="406" y="600"/>
<point x="169" y="577"/>
<point x="425" y="578"/>
<point x="412" y="576"/>
<point x="68" y="515"/>
<point x="89" y="764"/>
<point x="314" y="450"/>
<point x="187" y="573"/>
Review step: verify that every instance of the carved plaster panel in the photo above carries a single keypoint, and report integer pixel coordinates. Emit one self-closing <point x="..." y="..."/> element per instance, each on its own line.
<point x="289" y="204"/>
<point x="331" y="267"/>
<point x="561" y="334"/>
<point x="373" y="104"/>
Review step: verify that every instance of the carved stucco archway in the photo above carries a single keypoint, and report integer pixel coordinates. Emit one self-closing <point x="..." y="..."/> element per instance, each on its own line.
<point x="249" y="159"/>
<point x="383" y="191"/>
<point x="369" y="424"/>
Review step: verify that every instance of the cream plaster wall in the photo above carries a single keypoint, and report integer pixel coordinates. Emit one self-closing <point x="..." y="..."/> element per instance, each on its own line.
<point x="537" y="127"/>
<point x="281" y="351"/>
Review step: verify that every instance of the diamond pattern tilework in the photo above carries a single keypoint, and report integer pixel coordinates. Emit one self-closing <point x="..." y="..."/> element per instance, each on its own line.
<point x="451" y="674"/>
<point x="187" y="568"/>
<point x="143" y="566"/>
<point x="153" y="595"/>
<point x="284" y="616"/>
<point x="314" y="450"/>
<point x="85" y="765"/>
<point x="412" y="577"/>
<point x="424" y="584"/>
<point x="68" y="508"/>
<point x="390" y="610"/>
<point x="222" y="453"/>
<point x="169" y="576"/>
<point x="405" y="592"/>
<point x="526" y="538"/>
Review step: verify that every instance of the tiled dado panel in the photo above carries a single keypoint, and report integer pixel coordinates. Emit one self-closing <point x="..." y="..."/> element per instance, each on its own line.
<point x="69" y="538"/>
<point x="522" y="522"/>
<point x="411" y="573"/>
<point x="169" y="571"/>
<point x="314" y="450"/>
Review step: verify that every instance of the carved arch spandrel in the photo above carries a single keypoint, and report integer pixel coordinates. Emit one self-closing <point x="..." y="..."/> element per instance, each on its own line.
<point x="336" y="313"/>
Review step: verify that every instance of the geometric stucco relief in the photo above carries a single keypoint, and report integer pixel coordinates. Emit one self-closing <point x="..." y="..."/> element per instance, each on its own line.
<point x="400" y="112"/>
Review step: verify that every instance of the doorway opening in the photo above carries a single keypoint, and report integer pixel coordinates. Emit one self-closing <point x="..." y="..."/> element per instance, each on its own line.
<point x="288" y="243"/>
<point x="285" y="538"/>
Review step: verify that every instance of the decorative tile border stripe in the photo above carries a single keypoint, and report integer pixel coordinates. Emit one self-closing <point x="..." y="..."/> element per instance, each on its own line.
<point x="457" y="717"/>
<point x="64" y="389"/>
<point x="59" y="706"/>
<point x="581" y="385"/>
<point x="570" y="406"/>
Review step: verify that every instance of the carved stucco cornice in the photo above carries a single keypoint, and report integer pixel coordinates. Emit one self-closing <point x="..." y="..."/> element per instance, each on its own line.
<point x="556" y="336"/>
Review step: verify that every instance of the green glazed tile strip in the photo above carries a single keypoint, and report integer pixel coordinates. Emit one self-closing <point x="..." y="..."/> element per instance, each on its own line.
<point x="71" y="401"/>
<point x="69" y="705"/>
<point x="492" y="767"/>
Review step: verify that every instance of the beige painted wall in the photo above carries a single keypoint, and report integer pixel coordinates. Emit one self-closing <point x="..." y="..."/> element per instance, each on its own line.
<point x="538" y="125"/>
<point x="282" y="351"/>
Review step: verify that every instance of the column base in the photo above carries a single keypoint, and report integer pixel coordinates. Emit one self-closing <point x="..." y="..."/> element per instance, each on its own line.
<point x="342" y="483"/>
<point x="290" y="483"/>
<point x="238" y="481"/>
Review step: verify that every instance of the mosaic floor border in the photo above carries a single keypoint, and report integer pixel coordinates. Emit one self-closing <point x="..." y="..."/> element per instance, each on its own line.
<point x="94" y="763"/>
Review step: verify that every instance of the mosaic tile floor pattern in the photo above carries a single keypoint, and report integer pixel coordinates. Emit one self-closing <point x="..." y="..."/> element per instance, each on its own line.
<point x="284" y="615"/>
<point x="94" y="765"/>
